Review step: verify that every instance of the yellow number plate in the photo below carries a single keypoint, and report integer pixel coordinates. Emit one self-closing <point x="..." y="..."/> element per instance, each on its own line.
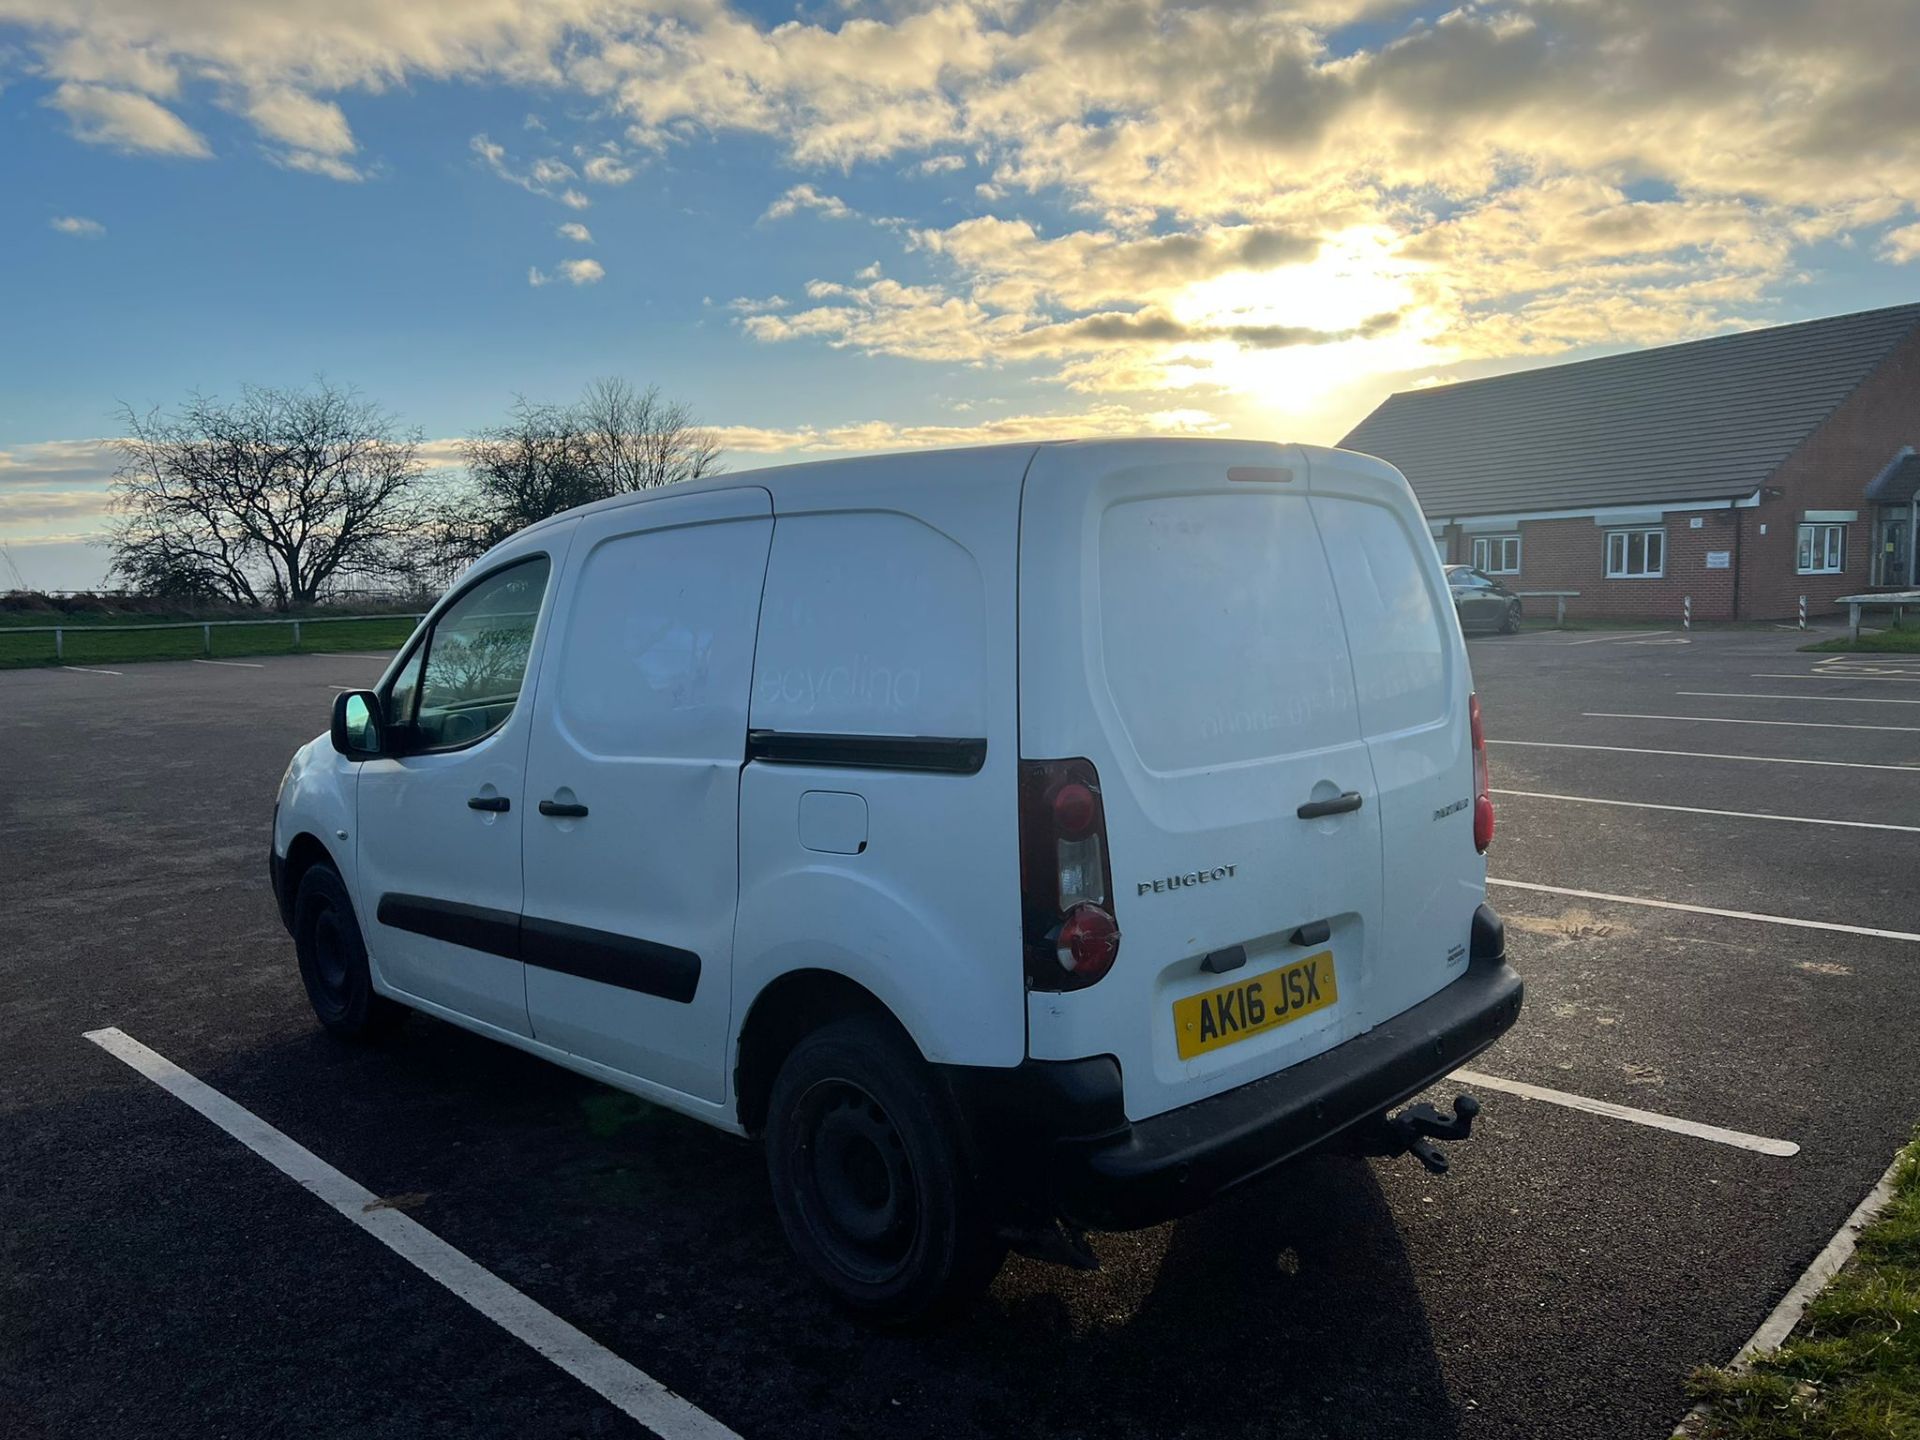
<point x="1247" y="1008"/>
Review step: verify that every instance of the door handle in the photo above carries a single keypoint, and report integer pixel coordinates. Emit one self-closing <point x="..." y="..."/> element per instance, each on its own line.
<point x="1339" y="805"/>
<point x="561" y="811"/>
<point x="499" y="804"/>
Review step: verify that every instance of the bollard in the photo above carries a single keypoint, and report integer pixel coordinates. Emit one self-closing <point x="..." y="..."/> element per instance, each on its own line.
<point x="59" y="644"/>
<point x="1803" y="612"/>
<point x="1686" y="612"/>
<point x="206" y="632"/>
<point x="296" y="634"/>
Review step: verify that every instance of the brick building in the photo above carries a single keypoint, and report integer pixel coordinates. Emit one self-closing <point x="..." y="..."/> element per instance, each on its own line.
<point x="1744" y="471"/>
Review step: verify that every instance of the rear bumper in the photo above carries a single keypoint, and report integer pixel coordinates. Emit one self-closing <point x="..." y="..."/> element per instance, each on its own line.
<point x="1106" y="1173"/>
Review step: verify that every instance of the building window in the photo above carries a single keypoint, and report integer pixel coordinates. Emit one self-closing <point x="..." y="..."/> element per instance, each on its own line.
<point x="1496" y="554"/>
<point x="1823" y="549"/>
<point x="1636" y="554"/>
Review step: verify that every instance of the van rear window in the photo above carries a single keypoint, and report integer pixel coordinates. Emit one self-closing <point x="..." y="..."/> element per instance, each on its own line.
<point x="1220" y="632"/>
<point x="1395" y="627"/>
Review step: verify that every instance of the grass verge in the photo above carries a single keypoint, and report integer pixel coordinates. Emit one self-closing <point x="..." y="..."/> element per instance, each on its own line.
<point x="1852" y="1369"/>
<point x="84" y="645"/>
<point x="1905" y="641"/>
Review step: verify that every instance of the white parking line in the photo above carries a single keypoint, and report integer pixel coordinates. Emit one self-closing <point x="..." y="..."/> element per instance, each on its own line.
<point x="1618" y="635"/>
<point x="1696" y="810"/>
<point x="236" y="664"/>
<point x="630" y="1390"/>
<point x="1791" y="920"/>
<point x="1731" y="720"/>
<point x="1829" y="675"/>
<point x="83" y="670"/>
<point x="1702" y="755"/>
<point x="1797" y="699"/>
<point x="1653" y="1119"/>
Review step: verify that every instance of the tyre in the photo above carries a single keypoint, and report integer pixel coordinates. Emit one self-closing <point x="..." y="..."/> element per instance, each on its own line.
<point x="872" y="1176"/>
<point x="1510" y="622"/>
<point x="333" y="960"/>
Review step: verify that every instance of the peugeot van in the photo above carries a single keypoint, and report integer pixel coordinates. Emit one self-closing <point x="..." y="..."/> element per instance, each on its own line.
<point x="1017" y="841"/>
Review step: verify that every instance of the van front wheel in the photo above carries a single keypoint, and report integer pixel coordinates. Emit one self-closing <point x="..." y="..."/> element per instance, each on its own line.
<point x="871" y="1176"/>
<point x="333" y="960"/>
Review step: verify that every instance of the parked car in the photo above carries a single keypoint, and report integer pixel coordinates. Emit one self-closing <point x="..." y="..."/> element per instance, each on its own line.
<point x="1482" y="602"/>
<point x="1017" y="840"/>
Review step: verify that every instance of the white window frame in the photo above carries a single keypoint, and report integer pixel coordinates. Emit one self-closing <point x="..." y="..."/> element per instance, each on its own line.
<point x="1820" y="548"/>
<point x="1620" y="568"/>
<point x="1489" y="548"/>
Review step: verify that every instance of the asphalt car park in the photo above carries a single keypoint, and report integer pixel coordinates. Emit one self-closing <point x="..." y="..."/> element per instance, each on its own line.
<point x="160" y="1278"/>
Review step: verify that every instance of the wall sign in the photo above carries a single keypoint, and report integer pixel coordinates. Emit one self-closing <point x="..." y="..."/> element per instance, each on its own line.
<point x="1719" y="559"/>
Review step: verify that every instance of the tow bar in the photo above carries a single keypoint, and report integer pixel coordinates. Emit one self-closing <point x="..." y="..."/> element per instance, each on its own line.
<point x="1414" y="1129"/>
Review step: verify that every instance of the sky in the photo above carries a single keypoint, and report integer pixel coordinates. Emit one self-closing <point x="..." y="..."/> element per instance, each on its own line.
<point x="845" y="227"/>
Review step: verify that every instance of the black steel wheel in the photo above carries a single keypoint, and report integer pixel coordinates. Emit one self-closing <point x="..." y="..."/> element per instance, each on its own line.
<point x="333" y="960"/>
<point x="872" y="1175"/>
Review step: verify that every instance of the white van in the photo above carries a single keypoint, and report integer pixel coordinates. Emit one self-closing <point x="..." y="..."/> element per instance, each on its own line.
<point x="1021" y="840"/>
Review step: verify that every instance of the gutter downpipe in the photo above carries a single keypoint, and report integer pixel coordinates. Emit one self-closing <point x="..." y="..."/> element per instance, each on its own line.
<point x="1739" y="529"/>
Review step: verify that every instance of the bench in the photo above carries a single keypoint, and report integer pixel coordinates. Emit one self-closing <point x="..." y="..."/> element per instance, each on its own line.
<point x="1894" y="600"/>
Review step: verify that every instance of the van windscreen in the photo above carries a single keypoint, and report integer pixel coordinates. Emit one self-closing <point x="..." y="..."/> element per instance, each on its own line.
<point x="1221" y="635"/>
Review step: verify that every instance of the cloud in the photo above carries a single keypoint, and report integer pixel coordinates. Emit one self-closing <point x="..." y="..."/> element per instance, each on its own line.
<point x="541" y="178"/>
<point x="1901" y="246"/>
<point x="1529" y="175"/>
<point x="573" y="230"/>
<point x="574" y="272"/>
<point x="880" y="435"/>
<point x="77" y="225"/>
<point x="126" y="121"/>
<point x="300" y="121"/>
<point x="805" y="197"/>
<point x="606" y="170"/>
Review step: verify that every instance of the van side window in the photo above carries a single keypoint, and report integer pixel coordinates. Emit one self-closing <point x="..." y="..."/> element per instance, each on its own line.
<point x="658" y="651"/>
<point x="873" y="624"/>
<point x="475" y="659"/>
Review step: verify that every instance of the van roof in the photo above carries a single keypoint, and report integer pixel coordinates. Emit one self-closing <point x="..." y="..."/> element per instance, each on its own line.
<point x="886" y="469"/>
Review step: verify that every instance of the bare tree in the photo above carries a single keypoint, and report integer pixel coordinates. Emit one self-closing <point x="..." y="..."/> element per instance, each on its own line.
<point x="549" y="458"/>
<point x="636" y="440"/>
<point x="271" y="498"/>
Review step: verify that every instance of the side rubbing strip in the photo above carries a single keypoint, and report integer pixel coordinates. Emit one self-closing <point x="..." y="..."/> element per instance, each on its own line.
<point x="869" y="752"/>
<point x="621" y="960"/>
<point x="475" y="926"/>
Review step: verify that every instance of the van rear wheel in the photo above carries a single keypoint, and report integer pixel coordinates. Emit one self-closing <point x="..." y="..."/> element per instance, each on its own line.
<point x="333" y="960"/>
<point x="872" y="1179"/>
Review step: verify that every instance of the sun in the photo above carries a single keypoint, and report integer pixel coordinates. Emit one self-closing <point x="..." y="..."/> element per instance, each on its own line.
<point x="1358" y="291"/>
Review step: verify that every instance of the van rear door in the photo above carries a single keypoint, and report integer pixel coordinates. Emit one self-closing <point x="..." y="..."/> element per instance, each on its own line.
<point x="1180" y="628"/>
<point x="1413" y="683"/>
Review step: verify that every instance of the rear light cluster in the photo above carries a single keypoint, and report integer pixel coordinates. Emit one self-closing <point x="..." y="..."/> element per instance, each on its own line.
<point x="1482" y="799"/>
<point x="1066" y="885"/>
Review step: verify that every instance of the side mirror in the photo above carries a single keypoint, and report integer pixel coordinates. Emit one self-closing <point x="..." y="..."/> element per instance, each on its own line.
<point x="358" y="732"/>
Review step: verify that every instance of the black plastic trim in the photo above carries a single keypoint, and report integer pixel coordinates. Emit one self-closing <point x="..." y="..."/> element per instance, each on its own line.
<point x="1060" y="1127"/>
<point x="497" y="932"/>
<point x="611" y="959"/>
<point x="1341" y="804"/>
<point x="1173" y="1163"/>
<point x="603" y="956"/>
<point x="934" y="753"/>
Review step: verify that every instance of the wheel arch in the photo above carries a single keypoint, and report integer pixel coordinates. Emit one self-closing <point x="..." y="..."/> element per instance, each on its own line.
<point x="304" y="851"/>
<point x="789" y="1007"/>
